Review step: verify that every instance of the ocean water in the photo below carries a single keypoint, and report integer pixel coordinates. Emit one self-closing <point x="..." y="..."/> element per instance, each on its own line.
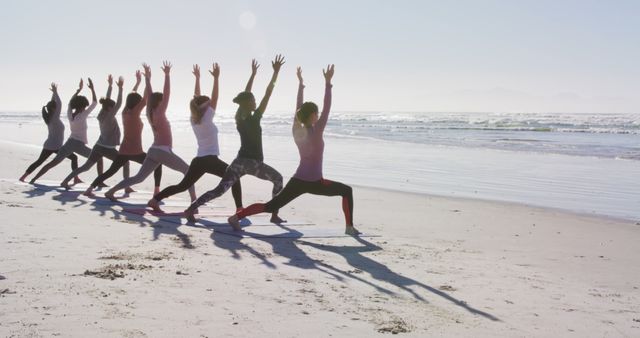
<point x="587" y="163"/>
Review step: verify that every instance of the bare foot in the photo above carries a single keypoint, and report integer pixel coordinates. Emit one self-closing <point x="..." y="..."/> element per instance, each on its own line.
<point x="234" y="222"/>
<point x="101" y="185"/>
<point x="128" y="190"/>
<point x="153" y="204"/>
<point x="89" y="192"/>
<point x="65" y="185"/>
<point x="110" y="196"/>
<point x="77" y="180"/>
<point x="350" y="230"/>
<point x="189" y="215"/>
<point x="276" y="219"/>
<point x="22" y="178"/>
<point x="156" y="190"/>
<point x="33" y="181"/>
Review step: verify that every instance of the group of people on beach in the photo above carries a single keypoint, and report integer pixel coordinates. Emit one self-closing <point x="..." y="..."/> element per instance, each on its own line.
<point x="307" y="128"/>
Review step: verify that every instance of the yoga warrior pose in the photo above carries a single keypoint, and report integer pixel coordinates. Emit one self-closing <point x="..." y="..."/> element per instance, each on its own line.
<point x="307" y="132"/>
<point x="131" y="148"/>
<point x="250" y="157"/>
<point x="109" y="134"/>
<point x="51" y="117"/>
<point x="206" y="161"/>
<point x="160" y="152"/>
<point x="77" y="113"/>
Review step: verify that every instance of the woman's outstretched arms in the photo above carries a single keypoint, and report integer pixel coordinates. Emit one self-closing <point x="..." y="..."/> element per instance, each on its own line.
<point x="109" y="89"/>
<point x="138" y="78"/>
<point x="328" y="75"/>
<point x="196" y="73"/>
<point x="276" y="64"/>
<point x="94" y="98"/>
<point x="254" y="71"/>
<point x="166" y="92"/>
<point x="56" y="98"/>
<point x="147" y="84"/>
<point x="120" y="84"/>
<point x="215" y="72"/>
<point x="299" y="98"/>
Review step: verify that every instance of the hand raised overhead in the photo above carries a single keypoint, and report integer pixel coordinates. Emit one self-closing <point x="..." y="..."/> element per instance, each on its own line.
<point x="138" y="76"/>
<point x="54" y="87"/>
<point x="328" y="73"/>
<point x="254" y="66"/>
<point x="196" y="71"/>
<point x="147" y="70"/>
<point x="166" y="67"/>
<point x="110" y="80"/>
<point x="215" y="70"/>
<point x="277" y="63"/>
<point x="120" y="82"/>
<point x="299" y="74"/>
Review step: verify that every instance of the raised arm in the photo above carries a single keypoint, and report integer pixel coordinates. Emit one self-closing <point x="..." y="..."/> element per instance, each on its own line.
<point x="326" y="107"/>
<point x="138" y="108"/>
<point x="196" y="73"/>
<point x="138" y="78"/>
<point x="300" y="96"/>
<point x="254" y="71"/>
<point x="94" y="98"/>
<point x="276" y="64"/>
<point x="56" y="98"/>
<point x="109" y="89"/>
<point x="120" y="84"/>
<point x="80" y="85"/>
<point x="215" y="72"/>
<point x="147" y="84"/>
<point x="166" y="92"/>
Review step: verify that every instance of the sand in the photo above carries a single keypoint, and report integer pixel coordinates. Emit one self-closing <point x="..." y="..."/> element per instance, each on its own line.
<point x="435" y="267"/>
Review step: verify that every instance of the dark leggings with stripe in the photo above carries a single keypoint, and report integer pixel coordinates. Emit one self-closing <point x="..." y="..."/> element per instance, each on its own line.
<point x="296" y="187"/>
<point x="199" y="166"/>
<point x="44" y="155"/>
<point x="119" y="162"/>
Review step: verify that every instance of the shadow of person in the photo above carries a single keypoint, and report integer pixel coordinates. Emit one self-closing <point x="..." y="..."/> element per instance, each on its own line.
<point x="159" y="227"/>
<point x="353" y="256"/>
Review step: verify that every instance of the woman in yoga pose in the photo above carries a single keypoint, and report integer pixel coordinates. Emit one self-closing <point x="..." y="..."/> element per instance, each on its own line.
<point x="77" y="113"/>
<point x="203" y="110"/>
<point x="51" y="117"/>
<point x="250" y="158"/>
<point x="109" y="133"/>
<point x="160" y="152"/>
<point x="131" y="147"/>
<point x="307" y="132"/>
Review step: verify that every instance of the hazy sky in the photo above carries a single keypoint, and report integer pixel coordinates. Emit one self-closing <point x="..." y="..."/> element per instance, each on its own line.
<point x="516" y="56"/>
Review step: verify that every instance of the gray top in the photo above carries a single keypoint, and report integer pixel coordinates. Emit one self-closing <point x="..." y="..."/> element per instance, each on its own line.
<point x="109" y="129"/>
<point x="56" y="127"/>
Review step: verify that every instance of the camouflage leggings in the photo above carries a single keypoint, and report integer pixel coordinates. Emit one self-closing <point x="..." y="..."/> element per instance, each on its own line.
<point x="238" y="168"/>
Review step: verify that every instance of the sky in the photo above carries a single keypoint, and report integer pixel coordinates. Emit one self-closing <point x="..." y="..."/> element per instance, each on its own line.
<point x="390" y="56"/>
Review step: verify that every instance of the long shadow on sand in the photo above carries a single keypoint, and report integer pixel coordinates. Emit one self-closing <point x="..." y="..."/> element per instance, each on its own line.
<point x="288" y="248"/>
<point x="354" y="256"/>
<point x="106" y="209"/>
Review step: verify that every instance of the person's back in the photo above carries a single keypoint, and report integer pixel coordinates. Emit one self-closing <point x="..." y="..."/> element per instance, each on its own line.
<point x="206" y="134"/>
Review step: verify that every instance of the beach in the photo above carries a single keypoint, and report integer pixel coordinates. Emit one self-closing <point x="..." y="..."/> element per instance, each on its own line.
<point x="428" y="266"/>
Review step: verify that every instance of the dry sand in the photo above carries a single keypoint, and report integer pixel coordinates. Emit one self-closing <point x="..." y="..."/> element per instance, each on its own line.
<point x="440" y="267"/>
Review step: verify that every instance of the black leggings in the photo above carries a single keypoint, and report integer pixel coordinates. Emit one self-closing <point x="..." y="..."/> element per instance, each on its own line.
<point x="296" y="187"/>
<point x="119" y="162"/>
<point x="44" y="155"/>
<point x="199" y="166"/>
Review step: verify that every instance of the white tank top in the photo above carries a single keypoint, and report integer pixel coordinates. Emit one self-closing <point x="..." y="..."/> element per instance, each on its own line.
<point x="206" y="134"/>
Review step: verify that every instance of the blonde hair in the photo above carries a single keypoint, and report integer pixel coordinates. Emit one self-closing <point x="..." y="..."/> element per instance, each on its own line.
<point x="197" y="111"/>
